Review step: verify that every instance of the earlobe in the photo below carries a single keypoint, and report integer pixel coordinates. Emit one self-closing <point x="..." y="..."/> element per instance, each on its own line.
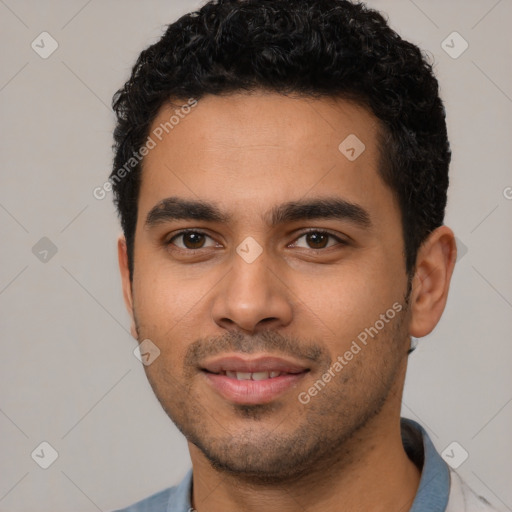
<point x="434" y="268"/>
<point x="122" y="255"/>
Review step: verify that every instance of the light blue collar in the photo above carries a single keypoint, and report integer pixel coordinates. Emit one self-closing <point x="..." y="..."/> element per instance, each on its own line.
<point x="434" y="488"/>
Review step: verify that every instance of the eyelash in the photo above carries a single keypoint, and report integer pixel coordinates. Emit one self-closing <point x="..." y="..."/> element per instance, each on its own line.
<point x="198" y="231"/>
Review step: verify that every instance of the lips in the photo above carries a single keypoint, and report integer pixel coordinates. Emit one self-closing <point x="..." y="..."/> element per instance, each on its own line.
<point x="254" y="365"/>
<point x="255" y="380"/>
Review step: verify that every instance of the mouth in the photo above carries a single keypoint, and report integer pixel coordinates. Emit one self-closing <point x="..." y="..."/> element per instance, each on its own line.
<point x="258" y="380"/>
<point x="251" y="375"/>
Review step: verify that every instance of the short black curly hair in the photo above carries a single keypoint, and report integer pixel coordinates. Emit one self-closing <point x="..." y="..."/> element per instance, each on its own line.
<point x="316" y="48"/>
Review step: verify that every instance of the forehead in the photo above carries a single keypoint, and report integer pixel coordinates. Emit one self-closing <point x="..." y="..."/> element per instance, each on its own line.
<point x="248" y="152"/>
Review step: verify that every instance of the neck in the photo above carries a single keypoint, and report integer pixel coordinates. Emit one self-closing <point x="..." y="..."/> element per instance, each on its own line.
<point x="372" y="472"/>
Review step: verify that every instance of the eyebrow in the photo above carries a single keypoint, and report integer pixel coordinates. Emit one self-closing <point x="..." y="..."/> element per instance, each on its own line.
<point x="175" y="208"/>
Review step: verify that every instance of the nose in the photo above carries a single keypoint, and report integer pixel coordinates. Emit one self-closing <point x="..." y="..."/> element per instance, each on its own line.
<point x="251" y="297"/>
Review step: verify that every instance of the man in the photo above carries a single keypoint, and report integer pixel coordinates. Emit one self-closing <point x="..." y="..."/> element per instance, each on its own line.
<point x="281" y="173"/>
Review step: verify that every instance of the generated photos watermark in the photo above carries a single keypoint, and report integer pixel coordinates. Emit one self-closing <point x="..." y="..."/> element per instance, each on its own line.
<point x="341" y="361"/>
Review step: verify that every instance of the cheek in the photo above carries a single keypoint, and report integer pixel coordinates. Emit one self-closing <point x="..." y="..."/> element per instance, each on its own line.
<point x="351" y="301"/>
<point x="164" y="296"/>
<point x="164" y="307"/>
<point x="172" y="308"/>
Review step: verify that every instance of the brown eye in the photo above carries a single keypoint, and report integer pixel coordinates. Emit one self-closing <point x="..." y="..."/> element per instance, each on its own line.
<point x="190" y="240"/>
<point x="193" y="240"/>
<point x="317" y="240"/>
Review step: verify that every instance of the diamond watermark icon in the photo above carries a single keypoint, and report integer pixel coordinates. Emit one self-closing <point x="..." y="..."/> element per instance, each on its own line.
<point x="44" y="45"/>
<point x="454" y="45"/>
<point x="462" y="248"/>
<point x="249" y="249"/>
<point x="146" y="352"/>
<point x="351" y="147"/>
<point x="44" y="455"/>
<point x="44" y="250"/>
<point x="454" y="455"/>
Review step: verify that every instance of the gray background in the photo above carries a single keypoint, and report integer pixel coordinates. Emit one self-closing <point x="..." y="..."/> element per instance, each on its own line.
<point x="68" y="373"/>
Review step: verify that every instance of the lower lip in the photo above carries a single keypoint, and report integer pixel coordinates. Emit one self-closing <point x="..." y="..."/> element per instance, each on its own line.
<point x="252" y="391"/>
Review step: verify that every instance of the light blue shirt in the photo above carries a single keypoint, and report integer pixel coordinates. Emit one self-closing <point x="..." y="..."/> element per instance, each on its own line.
<point x="432" y="495"/>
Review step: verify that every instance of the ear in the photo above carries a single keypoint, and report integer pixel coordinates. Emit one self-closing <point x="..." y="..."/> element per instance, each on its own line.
<point x="122" y="255"/>
<point x="434" y="267"/>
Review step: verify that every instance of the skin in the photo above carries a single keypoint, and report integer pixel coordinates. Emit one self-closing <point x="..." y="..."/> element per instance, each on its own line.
<point x="302" y="297"/>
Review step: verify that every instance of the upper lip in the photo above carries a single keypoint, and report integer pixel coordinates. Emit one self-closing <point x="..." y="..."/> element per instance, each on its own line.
<point x="237" y="363"/>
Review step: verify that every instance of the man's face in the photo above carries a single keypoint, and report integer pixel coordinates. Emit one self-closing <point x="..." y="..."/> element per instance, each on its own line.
<point x="249" y="311"/>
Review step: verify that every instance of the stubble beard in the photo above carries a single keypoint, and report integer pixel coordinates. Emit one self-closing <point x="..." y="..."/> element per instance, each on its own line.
<point x="255" y="447"/>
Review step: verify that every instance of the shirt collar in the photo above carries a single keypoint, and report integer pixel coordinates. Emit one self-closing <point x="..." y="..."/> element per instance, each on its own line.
<point x="180" y="500"/>
<point x="434" y="488"/>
